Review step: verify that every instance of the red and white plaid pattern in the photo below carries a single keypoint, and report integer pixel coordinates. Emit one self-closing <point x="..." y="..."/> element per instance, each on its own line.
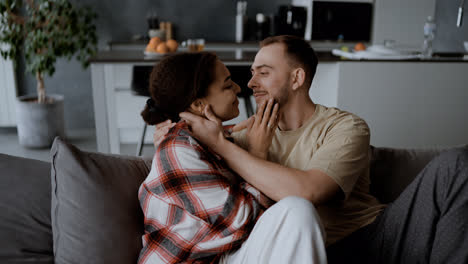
<point x="195" y="207"/>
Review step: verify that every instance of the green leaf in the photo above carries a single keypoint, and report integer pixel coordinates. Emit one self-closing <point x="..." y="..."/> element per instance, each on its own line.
<point x="70" y="30"/>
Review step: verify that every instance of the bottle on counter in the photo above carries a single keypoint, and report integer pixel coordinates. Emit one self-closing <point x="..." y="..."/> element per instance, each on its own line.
<point x="429" y="35"/>
<point x="168" y="29"/>
<point x="241" y="21"/>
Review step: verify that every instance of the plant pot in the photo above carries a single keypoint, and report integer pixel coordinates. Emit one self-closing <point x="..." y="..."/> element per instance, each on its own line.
<point x="39" y="124"/>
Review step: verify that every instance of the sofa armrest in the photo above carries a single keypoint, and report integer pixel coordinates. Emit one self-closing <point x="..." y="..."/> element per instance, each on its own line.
<point x="25" y="222"/>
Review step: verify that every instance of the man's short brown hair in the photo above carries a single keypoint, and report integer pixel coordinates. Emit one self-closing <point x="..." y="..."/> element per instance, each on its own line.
<point x="299" y="52"/>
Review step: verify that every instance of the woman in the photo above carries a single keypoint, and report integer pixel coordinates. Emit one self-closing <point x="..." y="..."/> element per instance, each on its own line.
<point x="195" y="207"/>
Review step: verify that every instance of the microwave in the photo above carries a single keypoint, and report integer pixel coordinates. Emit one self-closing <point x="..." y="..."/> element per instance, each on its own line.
<point x="338" y="20"/>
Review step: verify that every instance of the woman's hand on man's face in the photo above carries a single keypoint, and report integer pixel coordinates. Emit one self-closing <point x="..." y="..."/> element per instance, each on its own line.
<point x="161" y="130"/>
<point x="261" y="128"/>
<point x="208" y="130"/>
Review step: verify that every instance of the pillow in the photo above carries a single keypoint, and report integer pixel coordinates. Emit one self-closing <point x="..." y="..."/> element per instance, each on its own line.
<point x="96" y="215"/>
<point x="25" y="224"/>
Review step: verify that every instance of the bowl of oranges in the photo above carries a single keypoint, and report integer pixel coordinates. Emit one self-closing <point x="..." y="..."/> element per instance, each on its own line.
<point x="157" y="47"/>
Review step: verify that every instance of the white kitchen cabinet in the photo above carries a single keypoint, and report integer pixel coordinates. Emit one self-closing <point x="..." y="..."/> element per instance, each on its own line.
<point x="406" y="104"/>
<point x="324" y="89"/>
<point x="7" y="94"/>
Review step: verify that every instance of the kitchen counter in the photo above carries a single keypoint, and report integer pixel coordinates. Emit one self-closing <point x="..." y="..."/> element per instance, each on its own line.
<point x="237" y="53"/>
<point x="130" y="56"/>
<point x="399" y="99"/>
<point x="237" y="56"/>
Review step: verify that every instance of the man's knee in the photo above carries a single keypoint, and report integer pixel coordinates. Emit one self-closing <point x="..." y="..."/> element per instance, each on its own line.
<point x="456" y="154"/>
<point x="455" y="159"/>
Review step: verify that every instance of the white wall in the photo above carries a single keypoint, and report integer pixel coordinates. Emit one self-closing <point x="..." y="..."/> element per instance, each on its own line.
<point x="401" y="20"/>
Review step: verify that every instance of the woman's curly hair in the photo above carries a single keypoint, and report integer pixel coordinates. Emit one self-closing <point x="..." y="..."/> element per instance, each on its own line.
<point x="175" y="82"/>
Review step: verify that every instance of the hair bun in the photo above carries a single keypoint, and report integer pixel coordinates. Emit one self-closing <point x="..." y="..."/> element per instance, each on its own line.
<point x="152" y="106"/>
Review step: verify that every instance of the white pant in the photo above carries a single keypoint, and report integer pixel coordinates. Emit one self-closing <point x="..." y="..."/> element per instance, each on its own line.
<point x="288" y="232"/>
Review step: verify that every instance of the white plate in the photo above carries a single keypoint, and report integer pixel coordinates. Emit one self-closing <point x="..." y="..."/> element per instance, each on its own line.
<point x="150" y="54"/>
<point x="382" y="50"/>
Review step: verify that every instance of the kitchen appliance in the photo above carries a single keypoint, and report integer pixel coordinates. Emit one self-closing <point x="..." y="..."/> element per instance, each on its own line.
<point x="337" y="21"/>
<point x="291" y="20"/>
<point x="307" y="4"/>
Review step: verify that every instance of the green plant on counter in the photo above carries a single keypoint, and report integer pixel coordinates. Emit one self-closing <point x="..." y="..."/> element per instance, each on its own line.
<point x="45" y="30"/>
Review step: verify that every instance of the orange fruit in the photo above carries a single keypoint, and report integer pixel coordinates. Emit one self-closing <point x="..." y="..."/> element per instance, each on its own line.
<point x="359" y="46"/>
<point x="172" y="45"/>
<point x="150" y="48"/>
<point x="162" y="48"/>
<point x="154" y="42"/>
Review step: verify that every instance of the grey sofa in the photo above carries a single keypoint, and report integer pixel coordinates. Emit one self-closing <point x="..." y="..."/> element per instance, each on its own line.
<point x="83" y="207"/>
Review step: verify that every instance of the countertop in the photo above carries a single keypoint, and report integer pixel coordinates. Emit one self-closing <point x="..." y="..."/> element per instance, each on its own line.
<point x="240" y="58"/>
<point x="231" y="53"/>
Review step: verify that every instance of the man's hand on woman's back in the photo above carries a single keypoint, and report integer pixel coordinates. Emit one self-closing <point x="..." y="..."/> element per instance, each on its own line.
<point x="160" y="131"/>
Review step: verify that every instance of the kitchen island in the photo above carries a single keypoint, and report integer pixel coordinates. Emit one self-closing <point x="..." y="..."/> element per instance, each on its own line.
<point x="407" y="103"/>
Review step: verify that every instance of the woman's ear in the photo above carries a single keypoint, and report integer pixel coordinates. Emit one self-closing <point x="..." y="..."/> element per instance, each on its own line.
<point x="298" y="78"/>
<point x="197" y="107"/>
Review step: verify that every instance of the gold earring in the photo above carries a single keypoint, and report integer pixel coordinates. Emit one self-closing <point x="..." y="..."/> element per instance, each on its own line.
<point x="202" y="108"/>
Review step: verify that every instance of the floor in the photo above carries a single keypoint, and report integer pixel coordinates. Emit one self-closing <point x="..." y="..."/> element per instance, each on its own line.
<point x="84" y="140"/>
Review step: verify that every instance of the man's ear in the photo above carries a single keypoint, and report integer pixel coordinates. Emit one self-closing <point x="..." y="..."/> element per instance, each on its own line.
<point x="298" y="78"/>
<point x="197" y="106"/>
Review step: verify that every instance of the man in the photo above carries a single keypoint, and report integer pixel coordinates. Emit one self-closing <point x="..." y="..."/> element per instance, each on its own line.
<point x="321" y="154"/>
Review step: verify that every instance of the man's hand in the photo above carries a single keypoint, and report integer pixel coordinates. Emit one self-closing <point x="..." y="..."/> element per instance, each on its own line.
<point x="160" y="131"/>
<point x="208" y="130"/>
<point x="261" y="128"/>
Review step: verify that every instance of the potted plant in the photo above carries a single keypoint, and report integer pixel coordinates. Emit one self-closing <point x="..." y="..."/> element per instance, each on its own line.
<point x="43" y="31"/>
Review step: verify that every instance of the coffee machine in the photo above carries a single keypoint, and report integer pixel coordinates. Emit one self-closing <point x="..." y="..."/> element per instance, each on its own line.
<point x="291" y="20"/>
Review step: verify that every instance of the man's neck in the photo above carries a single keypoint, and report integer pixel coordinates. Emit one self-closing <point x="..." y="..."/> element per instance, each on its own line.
<point x="296" y="112"/>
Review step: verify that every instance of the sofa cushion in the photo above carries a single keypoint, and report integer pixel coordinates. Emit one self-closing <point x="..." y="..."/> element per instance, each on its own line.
<point x="25" y="224"/>
<point x="392" y="169"/>
<point x="96" y="216"/>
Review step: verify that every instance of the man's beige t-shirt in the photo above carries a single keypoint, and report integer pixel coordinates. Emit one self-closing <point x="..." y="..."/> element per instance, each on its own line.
<point x="336" y="143"/>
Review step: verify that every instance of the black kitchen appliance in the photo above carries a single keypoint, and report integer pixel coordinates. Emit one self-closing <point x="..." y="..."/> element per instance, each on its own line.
<point x="347" y="21"/>
<point x="291" y="20"/>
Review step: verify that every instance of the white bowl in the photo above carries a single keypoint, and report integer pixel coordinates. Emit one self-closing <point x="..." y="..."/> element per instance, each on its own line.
<point x="157" y="33"/>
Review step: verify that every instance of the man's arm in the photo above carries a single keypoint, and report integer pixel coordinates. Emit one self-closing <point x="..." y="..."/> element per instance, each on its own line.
<point x="277" y="181"/>
<point x="274" y="180"/>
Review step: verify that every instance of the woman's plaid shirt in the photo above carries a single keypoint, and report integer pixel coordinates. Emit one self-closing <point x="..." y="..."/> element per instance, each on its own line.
<point x="195" y="207"/>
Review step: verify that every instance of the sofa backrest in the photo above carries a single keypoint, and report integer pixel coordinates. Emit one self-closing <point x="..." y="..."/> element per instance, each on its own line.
<point x="25" y="190"/>
<point x="25" y="222"/>
<point x="391" y="169"/>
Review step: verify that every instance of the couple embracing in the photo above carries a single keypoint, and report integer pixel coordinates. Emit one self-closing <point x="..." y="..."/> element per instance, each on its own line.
<point x="288" y="185"/>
